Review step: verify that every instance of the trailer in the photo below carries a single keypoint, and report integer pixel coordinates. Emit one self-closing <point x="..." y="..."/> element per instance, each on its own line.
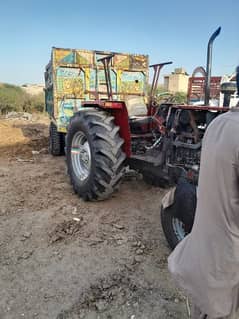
<point x="74" y="76"/>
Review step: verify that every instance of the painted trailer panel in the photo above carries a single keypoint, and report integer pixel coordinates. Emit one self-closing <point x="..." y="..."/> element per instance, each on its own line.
<point x="75" y="76"/>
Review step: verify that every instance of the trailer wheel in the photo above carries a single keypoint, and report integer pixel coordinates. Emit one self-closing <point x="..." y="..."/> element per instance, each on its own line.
<point x="94" y="155"/>
<point x="56" y="141"/>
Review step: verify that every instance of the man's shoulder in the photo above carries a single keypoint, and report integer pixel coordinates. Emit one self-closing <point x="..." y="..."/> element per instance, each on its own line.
<point x="232" y="115"/>
<point x="224" y="123"/>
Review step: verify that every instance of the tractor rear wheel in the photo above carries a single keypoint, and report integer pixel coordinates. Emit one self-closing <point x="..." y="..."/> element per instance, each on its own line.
<point x="56" y="141"/>
<point x="94" y="155"/>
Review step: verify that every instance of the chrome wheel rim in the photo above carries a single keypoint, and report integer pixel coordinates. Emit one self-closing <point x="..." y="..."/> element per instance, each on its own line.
<point x="178" y="228"/>
<point x="80" y="156"/>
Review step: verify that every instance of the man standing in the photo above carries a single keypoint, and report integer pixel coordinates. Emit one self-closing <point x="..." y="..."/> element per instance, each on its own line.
<point x="206" y="263"/>
<point x="237" y="79"/>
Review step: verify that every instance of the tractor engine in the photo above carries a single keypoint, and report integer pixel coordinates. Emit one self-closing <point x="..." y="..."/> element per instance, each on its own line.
<point x="185" y="154"/>
<point x="168" y="144"/>
<point x="186" y="130"/>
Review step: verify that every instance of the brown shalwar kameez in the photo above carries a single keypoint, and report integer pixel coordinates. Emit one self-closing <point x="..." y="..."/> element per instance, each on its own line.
<point x="206" y="263"/>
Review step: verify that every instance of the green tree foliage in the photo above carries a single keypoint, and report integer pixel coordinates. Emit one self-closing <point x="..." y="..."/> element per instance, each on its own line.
<point x="180" y="97"/>
<point x="14" y="98"/>
<point x="161" y="96"/>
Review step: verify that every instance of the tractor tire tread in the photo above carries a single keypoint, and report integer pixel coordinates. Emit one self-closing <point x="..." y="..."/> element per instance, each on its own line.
<point x="56" y="141"/>
<point x="106" y="152"/>
<point x="167" y="225"/>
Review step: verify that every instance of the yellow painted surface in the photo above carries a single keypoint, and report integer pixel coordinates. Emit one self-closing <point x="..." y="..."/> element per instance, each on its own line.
<point x="78" y="76"/>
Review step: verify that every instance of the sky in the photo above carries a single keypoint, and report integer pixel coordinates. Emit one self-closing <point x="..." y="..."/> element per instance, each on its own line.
<point x="168" y="30"/>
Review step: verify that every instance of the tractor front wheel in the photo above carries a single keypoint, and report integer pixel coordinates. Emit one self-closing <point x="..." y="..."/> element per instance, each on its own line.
<point x="94" y="155"/>
<point x="177" y="219"/>
<point x="174" y="229"/>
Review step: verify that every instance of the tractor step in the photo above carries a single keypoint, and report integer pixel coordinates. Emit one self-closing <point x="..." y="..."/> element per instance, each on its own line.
<point x="155" y="160"/>
<point x="152" y="174"/>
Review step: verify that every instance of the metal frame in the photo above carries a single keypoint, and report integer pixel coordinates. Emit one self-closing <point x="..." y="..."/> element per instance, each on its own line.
<point x="106" y="61"/>
<point x="209" y="65"/>
<point x="157" y="68"/>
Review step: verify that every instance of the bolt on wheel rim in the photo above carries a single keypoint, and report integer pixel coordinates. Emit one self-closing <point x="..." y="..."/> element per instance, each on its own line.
<point x="80" y="156"/>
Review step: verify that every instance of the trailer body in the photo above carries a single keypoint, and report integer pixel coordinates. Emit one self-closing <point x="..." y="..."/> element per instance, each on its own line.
<point x="74" y="76"/>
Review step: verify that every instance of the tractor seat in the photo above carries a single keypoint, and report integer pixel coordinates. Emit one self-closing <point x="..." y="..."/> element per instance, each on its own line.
<point x="136" y="106"/>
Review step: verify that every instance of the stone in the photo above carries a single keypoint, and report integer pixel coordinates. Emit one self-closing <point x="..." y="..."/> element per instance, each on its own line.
<point x="138" y="259"/>
<point x="27" y="234"/>
<point x="139" y="251"/>
<point x="118" y="226"/>
<point x="101" y="305"/>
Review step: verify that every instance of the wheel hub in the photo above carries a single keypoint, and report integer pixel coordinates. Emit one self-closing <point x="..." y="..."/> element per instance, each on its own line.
<point x="179" y="228"/>
<point x="81" y="156"/>
<point x="84" y="156"/>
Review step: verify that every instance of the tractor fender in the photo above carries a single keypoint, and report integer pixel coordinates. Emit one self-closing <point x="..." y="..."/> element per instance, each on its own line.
<point x="86" y="109"/>
<point x="169" y="198"/>
<point x="120" y="113"/>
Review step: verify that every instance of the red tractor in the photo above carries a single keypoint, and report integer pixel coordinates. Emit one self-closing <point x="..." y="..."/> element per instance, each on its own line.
<point x="162" y="142"/>
<point x="164" y="146"/>
<point x="102" y="139"/>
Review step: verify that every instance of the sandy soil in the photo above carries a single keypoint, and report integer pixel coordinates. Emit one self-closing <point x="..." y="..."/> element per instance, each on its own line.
<point x="33" y="89"/>
<point x="63" y="258"/>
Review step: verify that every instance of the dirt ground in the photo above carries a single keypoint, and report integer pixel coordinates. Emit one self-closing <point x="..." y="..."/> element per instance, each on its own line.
<point x="61" y="257"/>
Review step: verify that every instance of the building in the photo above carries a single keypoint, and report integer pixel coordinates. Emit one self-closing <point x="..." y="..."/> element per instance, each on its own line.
<point x="177" y="81"/>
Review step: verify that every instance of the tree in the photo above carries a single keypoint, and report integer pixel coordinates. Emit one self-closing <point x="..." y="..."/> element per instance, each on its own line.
<point x="14" y="98"/>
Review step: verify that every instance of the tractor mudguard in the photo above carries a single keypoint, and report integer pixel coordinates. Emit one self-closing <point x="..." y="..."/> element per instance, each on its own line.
<point x="120" y="113"/>
<point x="169" y="198"/>
<point x="122" y="120"/>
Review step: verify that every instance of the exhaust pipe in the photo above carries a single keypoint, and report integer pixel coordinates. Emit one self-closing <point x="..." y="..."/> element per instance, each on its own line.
<point x="237" y="79"/>
<point x="209" y="65"/>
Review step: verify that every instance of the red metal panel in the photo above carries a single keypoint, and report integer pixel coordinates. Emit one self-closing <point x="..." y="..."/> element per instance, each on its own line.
<point x="104" y="104"/>
<point x="201" y="108"/>
<point x="122" y="120"/>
